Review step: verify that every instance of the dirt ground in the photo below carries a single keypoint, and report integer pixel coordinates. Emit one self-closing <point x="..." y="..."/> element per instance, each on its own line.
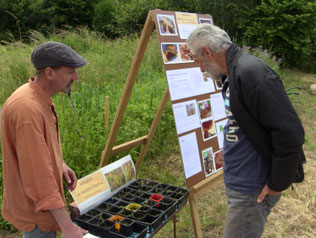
<point x="6" y="234"/>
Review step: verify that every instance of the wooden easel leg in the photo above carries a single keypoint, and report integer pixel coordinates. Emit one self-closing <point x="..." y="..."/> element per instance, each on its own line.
<point x="195" y="216"/>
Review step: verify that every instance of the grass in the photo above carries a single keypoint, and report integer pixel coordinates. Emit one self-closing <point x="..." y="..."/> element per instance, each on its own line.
<point x="105" y="75"/>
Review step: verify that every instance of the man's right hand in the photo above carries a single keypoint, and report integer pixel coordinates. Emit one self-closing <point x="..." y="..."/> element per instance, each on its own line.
<point x="74" y="232"/>
<point x="266" y="191"/>
<point x="68" y="228"/>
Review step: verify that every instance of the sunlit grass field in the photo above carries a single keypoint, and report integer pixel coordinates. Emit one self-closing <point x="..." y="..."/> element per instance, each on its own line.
<point x="105" y="75"/>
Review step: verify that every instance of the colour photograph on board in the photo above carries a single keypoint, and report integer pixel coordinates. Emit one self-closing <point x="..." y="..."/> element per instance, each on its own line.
<point x="208" y="161"/>
<point x="185" y="54"/>
<point x="208" y="129"/>
<point x="218" y="157"/>
<point x="205" y="21"/>
<point x="190" y="109"/>
<point x="167" y="25"/>
<point x="174" y="53"/>
<point x="170" y="53"/>
<point x="205" y="109"/>
<point x="219" y="86"/>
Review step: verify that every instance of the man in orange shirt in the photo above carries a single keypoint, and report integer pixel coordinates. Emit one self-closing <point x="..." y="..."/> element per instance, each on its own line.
<point x="33" y="166"/>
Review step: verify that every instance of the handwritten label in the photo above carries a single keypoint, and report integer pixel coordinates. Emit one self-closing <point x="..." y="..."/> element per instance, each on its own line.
<point x="186" y="18"/>
<point x="89" y="187"/>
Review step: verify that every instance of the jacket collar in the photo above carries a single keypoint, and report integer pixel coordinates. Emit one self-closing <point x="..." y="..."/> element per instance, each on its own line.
<point x="232" y="54"/>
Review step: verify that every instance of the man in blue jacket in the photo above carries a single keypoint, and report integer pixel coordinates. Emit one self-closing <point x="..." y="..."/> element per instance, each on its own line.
<point x="263" y="137"/>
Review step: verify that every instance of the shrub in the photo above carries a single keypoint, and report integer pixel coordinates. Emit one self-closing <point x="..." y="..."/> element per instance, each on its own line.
<point x="104" y="17"/>
<point x="69" y="12"/>
<point x="286" y="28"/>
<point x="17" y="17"/>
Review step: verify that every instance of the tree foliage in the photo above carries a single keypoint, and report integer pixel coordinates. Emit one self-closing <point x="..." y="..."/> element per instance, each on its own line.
<point x="285" y="27"/>
<point x="69" y="12"/>
<point x="104" y="17"/>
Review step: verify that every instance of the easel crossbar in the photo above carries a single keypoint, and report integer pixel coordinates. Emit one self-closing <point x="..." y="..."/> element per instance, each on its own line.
<point x="128" y="145"/>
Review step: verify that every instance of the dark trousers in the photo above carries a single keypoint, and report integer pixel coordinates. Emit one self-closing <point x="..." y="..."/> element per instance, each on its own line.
<point x="245" y="217"/>
<point x="37" y="233"/>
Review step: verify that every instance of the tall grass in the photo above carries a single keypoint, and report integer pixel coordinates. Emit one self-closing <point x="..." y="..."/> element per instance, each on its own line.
<point x="105" y="75"/>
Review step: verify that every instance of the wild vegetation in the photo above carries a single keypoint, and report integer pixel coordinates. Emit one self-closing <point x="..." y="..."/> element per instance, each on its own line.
<point x="286" y="28"/>
<point x="105" y="75"/>
<point x="106" y="33"/>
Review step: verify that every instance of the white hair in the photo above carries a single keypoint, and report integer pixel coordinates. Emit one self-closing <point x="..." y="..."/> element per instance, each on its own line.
<point x="208" y="35"/>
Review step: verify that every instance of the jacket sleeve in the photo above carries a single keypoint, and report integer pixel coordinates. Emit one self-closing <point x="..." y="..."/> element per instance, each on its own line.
<point x="266" y="98"/>
<point x="37" y="169"/>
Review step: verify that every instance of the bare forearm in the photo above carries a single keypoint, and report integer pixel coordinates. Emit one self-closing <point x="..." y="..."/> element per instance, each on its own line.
<point x="68" y="229"/>
<point x="62" y="218"/>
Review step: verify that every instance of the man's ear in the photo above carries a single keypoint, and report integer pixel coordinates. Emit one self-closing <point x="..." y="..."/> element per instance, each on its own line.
<point x="207" y="52"/>
<point x="49" y="73"/>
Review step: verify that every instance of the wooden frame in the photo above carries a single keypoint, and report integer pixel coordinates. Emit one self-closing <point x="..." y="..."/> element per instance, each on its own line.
<point x="198" y="189"/>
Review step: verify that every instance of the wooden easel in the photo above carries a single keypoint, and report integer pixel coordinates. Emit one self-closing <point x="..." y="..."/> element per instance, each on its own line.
<point x="198" y="189"/>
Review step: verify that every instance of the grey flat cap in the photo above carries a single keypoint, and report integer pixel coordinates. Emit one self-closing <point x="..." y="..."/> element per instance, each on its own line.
<point x="52" y="54"/>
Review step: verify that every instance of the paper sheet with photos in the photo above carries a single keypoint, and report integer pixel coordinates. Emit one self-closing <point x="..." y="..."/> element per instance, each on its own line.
<point x="99" y="186"/>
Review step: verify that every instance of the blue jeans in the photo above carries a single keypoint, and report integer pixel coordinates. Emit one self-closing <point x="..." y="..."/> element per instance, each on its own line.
<point x="245" y="217"/>
<point x="37" y="233"/>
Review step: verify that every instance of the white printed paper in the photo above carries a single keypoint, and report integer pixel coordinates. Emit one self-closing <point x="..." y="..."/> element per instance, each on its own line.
<point x="218" y="106"/>
<point x="190" y="155"/>
<point x="186" y="116"/>
<point x="220" y="132"/>
<point x="185" y="30"/>
<point x="184" y="83"/>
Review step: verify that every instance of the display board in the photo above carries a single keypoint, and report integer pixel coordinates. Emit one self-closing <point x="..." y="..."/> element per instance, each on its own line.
<point x="197" y="107"/>
<point x="197" y="103"/>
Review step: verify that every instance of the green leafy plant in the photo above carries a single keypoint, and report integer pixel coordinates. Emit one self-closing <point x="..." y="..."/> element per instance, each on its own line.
<point x="287" y="28"/>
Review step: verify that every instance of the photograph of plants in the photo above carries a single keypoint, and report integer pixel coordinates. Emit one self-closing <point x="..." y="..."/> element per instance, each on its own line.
<point x="115" y="178"/>
<point x="128" y="170"/>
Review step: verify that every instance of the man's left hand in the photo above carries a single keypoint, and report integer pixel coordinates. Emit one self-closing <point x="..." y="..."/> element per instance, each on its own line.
<point x="70" y="177"/>
<point x="266" y="191"/>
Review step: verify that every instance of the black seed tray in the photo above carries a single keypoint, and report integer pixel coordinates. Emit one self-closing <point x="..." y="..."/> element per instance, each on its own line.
<point x="151" y="222"/>
<point x="100" y="226"/>
<point x="144" y="220"/>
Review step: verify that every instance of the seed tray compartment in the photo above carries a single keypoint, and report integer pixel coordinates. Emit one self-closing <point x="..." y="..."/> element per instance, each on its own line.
<point x="151" y="222"/>
<point x="185" y="193"/>
<point x="168" y="209"/>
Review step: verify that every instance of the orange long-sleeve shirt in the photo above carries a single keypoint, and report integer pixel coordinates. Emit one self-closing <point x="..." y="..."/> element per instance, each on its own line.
<point x="31" y="159"/>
